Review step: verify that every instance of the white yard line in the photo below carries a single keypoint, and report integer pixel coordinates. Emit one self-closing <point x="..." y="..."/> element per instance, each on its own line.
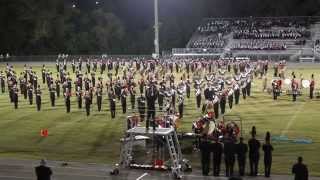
<point x="143" y="175"/>
<point x="291" y="121"/>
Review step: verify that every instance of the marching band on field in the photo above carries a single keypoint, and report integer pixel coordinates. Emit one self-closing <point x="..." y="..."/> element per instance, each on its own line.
<point x="216" y="84"/>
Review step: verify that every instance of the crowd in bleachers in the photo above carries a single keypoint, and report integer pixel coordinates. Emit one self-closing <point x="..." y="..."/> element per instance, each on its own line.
<point x="270" y="34"/>
<point x="255" y="33"/>
<point x="259" y="45"/>
<point x="209" y="42"/>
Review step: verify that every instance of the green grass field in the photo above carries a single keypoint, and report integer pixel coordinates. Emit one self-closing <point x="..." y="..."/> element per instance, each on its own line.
<point x="75" y="137"/>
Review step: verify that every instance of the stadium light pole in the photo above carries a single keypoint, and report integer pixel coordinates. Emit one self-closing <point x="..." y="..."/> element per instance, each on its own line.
<point x="156" y="29"/>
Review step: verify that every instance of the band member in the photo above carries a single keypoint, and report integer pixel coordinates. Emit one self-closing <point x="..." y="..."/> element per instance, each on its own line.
<point x="267" y="148"/>
<point x="38" y="98"/>
<point x="43" y="73"/>
<point x="230" y="97"/>
<point x="198" y="97"/>
<point x="15" y="96"/>
<point x="73" y="65"/>
<point x="58" y="82"/>
<point x="30" y="93"/>
<point x="151" y="96"/>
<point x="112" y="100"/>
<point x="161" y="96"/>
<point x="132" y="97"/>
<point x="248" y="87"/>
<point x="188" y="88"/>
<point x="141" y="106"/>
<point x="141" y="84"/>
<point x="215" y="102"/>
<point x="223" y="101"/>
<point x="52" y="91"/>
<point x="123" y="98"/>
<point x="79" y="97"/>
<point x="236" y="93"/>
<point x="67" y="100"/>
<point x="2" y="81"/>
<point x="180" y="103"/>
<point x="99" y="97"/>
<point x="217" y="155"/>
<point x="87" y="101"/>
<point x="93" y="79"/>
<point x="254" y="154"/>
<point x="275" y="89"/>
<point x="294" y="86"/>
<point x="312" y="85"/>
<point x="242" y="150"/>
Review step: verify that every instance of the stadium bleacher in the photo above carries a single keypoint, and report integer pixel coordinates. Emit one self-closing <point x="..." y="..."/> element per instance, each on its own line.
<point x="287" y="35"/>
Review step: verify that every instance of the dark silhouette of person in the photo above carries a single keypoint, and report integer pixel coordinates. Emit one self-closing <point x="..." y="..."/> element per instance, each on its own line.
<point x="217" y="149"/>
<point x="267" y="148"/>
<point x="205" y="156"/>
<point x="242" y="150"/>
<point x="300" y="170"/>
<point x="229" y="154"/>
<point x="43" y="172"/>
<point x="254" y="154"/>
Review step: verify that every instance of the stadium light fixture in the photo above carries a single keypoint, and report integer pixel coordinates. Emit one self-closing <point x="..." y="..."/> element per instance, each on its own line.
<point x="156" y="29"/>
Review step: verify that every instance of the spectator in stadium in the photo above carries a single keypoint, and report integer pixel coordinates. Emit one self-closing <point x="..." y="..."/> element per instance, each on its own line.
<point x="43" y="172"/>
<point x="300" y="170"/>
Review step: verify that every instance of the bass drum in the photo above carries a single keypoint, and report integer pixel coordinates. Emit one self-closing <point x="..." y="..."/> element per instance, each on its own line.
<point x="305" y="83"/>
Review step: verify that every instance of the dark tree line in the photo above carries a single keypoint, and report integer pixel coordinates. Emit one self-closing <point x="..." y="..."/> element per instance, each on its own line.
<point x="121" y="26"/>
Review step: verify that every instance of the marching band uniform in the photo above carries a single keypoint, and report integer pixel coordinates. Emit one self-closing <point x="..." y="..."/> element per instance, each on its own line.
<point x="30" y="93"/>
<point x="132" y="97"/>
<point x="216" y="106"/>
<point x="248" y="87"/>
<point x="38" y="98"/>
<point x="151" y="96"/>
<point x="93" y="79"/>
<point x="161" y="96"/>
<point x="112" y="100"/>
<point x="312" y="84"/>
<point x="223" y="101"/>
<point x="15" y="96"/>
<point x="230" y="97"/>
<point x="275" y="89"/>
<point x="87" y="100"/>
<point x="43" y="72"/>
<point x="142" y="106"/>
<point x="236" y="93"/>
<point x="2" y="82"/>
<point x="52" y="91"/>
<point x="198" y="96"/>
<point x="180" y="105"/>
<point x="99" y="98"/>
<point x="123" y="100"/>
<point x="73" y="65"/>
<point x="188" y="88"/>
<point x="294" y="86"/>
<point x="67" y="100"/>
<point x="79" y="97"/>
<point x="57" y="82"/>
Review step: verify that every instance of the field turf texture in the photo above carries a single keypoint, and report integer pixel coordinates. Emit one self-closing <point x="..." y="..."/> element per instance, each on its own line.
<point x="76" y="137"/>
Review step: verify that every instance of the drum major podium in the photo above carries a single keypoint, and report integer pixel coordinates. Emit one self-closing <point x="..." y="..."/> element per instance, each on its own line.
<point x="172" y="143"/>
